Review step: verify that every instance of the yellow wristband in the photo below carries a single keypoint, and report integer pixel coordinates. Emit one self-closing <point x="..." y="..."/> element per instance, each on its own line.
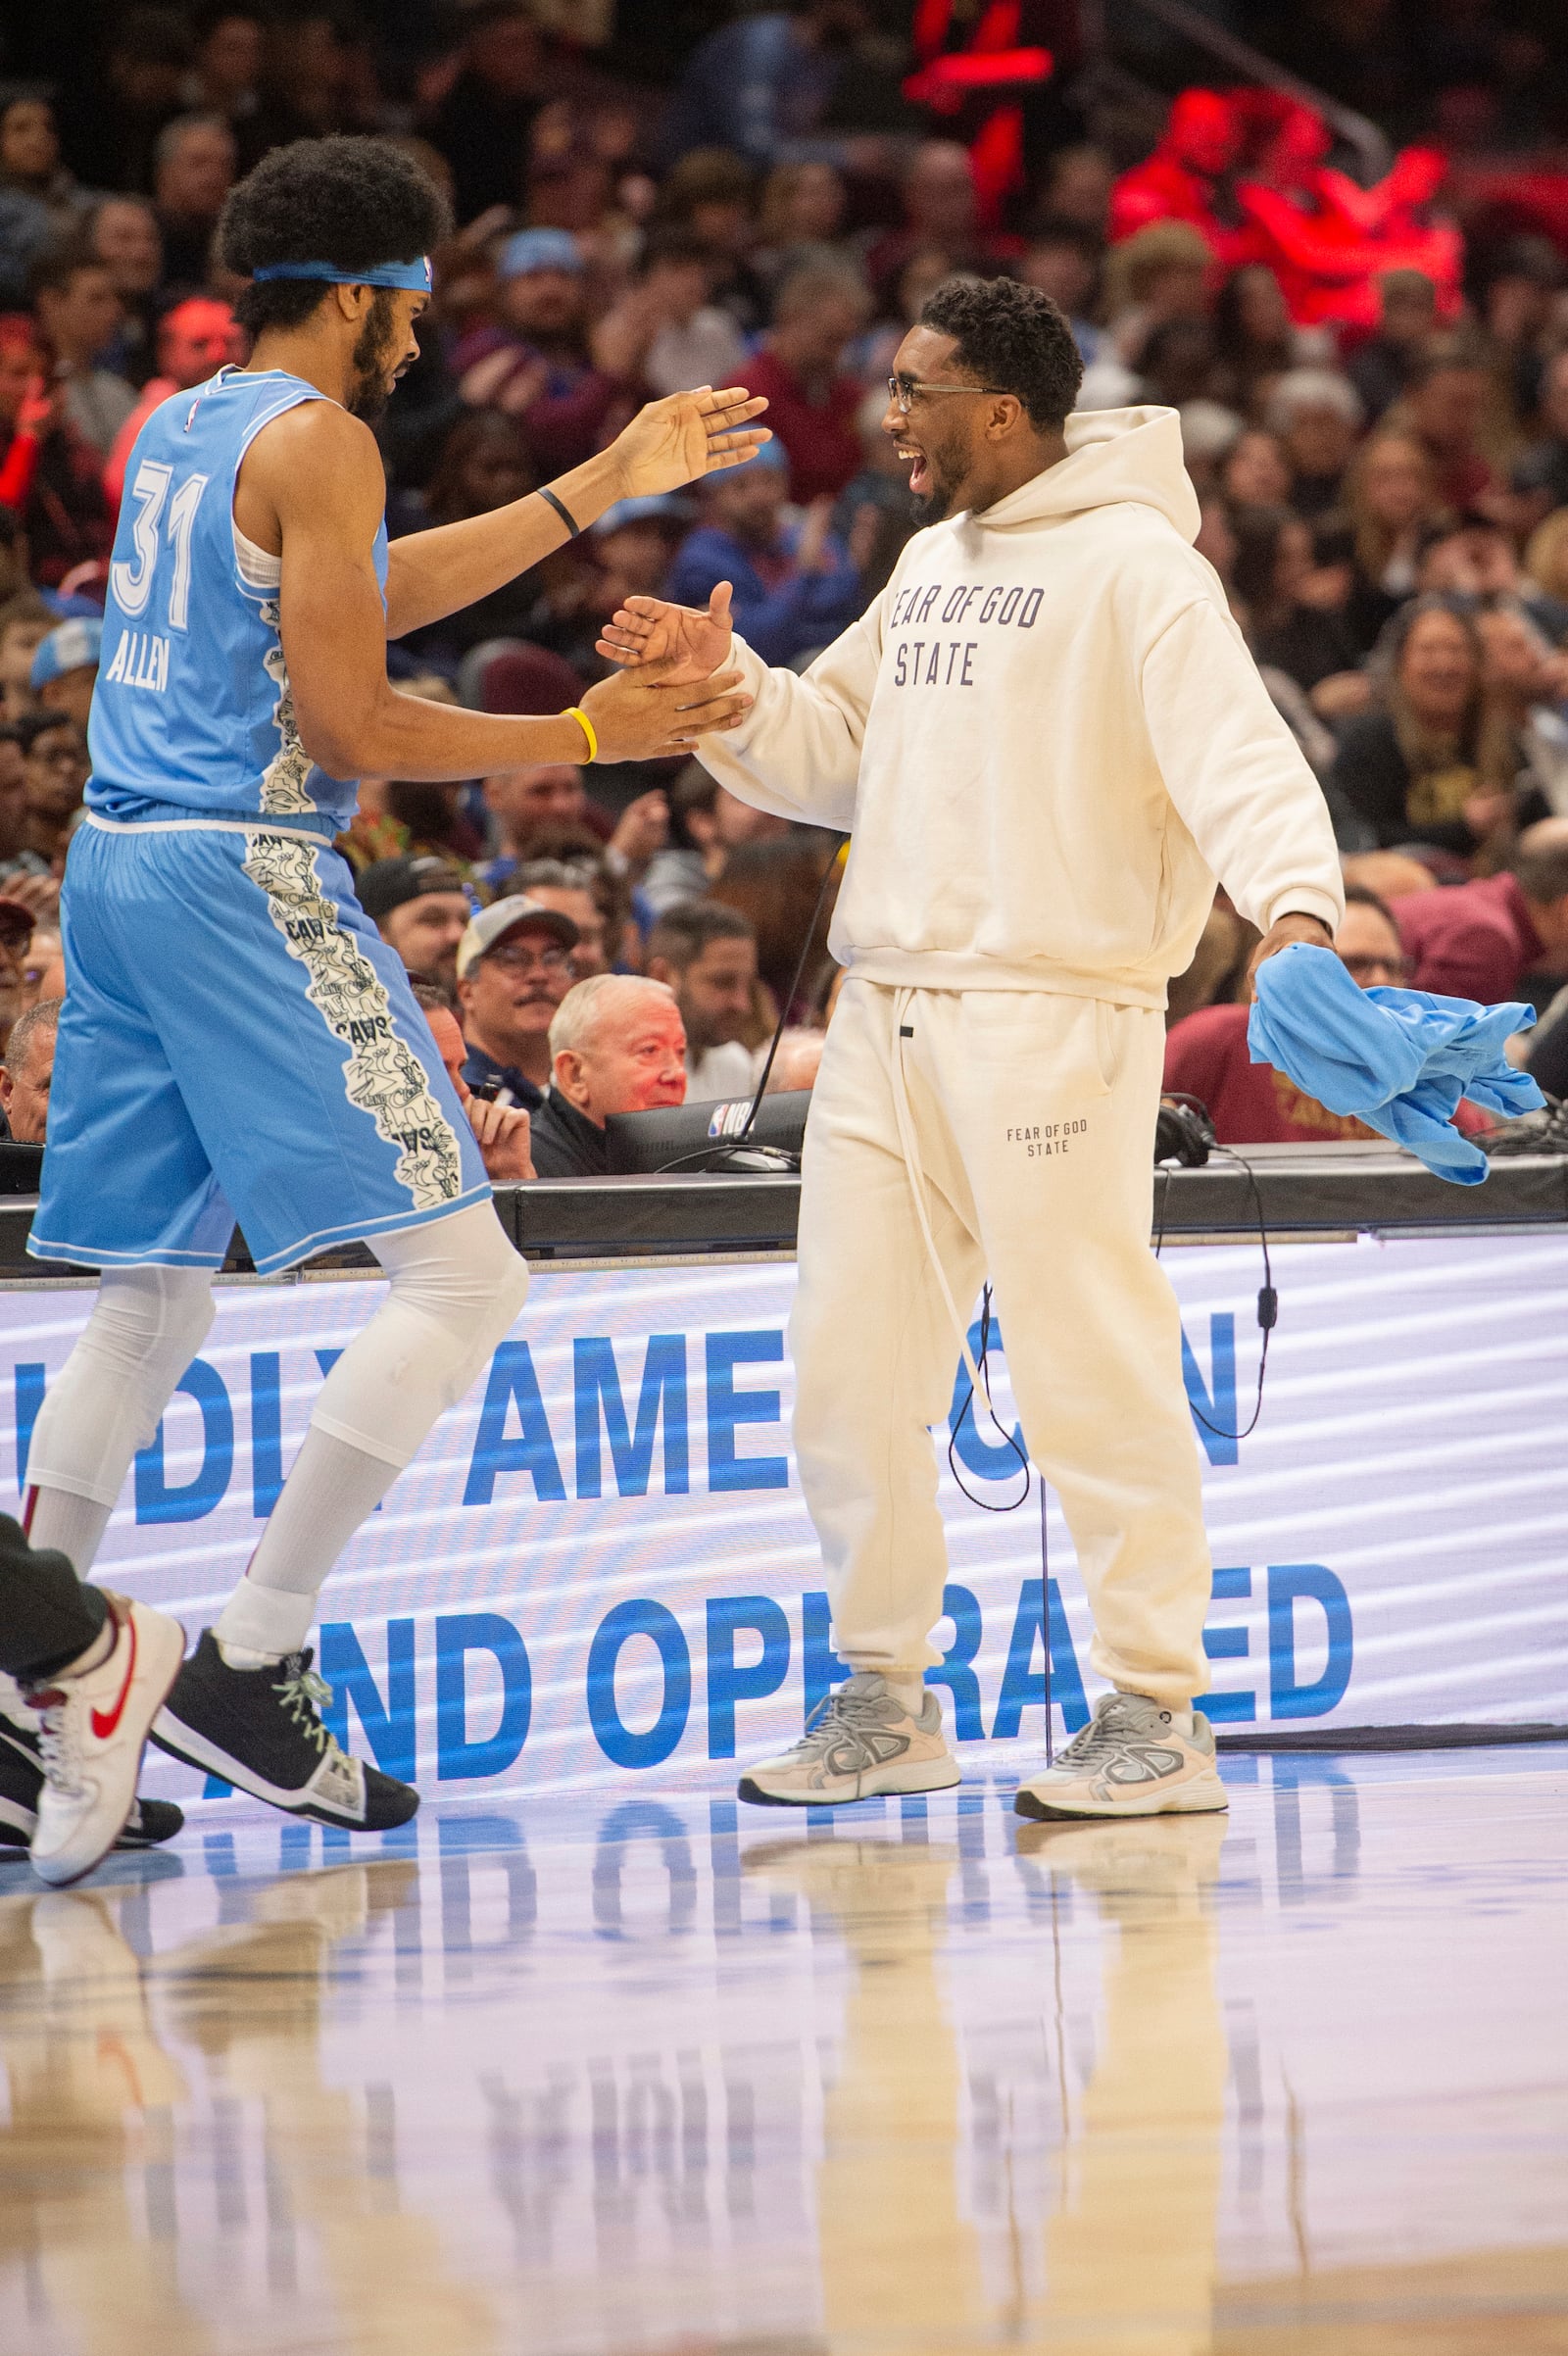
<point x="574" y="712"/>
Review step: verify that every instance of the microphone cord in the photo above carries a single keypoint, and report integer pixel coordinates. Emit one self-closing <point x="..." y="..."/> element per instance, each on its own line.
<point x="705" y="1157"/>
<point x="1011" y="1438"/>
<point x="793" y="992"/>
<point x="1268" y="1300"/>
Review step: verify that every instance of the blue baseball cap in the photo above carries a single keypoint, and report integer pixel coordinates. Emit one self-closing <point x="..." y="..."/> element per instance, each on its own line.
<point x="539" y="249"/>
<point x="64" y="607"/>
<point x="658" y="507"/>
<point x="72" y="646"/>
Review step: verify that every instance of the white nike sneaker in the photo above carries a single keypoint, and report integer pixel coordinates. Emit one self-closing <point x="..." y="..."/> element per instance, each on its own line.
<point x="93" y="1730"/>
<point x="861" y="1742"/>
<point x="150" y="1822"/>
<point x="1130" y="1760"/>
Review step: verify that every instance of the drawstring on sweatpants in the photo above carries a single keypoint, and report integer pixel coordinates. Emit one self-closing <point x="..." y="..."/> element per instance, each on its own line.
<point x="903" y="1120"/>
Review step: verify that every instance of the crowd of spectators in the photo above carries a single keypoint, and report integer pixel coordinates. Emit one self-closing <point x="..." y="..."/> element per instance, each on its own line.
<point x="666" y="199"/>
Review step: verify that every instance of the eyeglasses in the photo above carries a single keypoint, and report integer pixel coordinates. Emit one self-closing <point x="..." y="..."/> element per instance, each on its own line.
<point x="517" y="960"/>
<point x="903" y="390"/>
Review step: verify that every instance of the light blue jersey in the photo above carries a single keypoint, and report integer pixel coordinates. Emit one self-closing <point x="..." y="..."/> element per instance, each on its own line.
<point x="237" y="1041"/>
<point x="192" y="712"/>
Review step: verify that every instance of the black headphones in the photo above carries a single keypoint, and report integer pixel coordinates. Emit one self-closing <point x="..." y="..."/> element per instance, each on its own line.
<point x="1184" y="1133"/>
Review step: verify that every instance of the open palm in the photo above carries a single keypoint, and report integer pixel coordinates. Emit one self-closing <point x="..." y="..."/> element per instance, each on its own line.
<point x="647" y="629"/>
<point x="687" y="435"/>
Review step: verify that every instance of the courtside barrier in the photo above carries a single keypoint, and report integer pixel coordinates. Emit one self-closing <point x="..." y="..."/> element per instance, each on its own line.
<point x="600" y="1570"/>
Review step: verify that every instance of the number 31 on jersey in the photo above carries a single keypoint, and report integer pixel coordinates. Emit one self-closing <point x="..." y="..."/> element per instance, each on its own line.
<point x="141" y="659"/>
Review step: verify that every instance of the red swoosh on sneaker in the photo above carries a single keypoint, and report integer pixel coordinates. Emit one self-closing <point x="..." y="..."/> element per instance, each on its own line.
<point x="103" y="1722"/>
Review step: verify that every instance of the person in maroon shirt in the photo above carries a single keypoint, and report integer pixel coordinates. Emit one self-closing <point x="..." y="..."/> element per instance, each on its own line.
<point x="811" y="403"/>
<point x="1444" y="408"/>
<point x="1480" y="940"/>
<point x="1251" y="1104"/>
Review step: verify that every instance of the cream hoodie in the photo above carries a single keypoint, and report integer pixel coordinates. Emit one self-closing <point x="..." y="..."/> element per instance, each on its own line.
<point x="1046" y="739"/>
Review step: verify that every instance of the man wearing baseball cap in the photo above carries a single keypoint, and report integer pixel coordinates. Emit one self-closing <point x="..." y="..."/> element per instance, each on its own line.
<point x="421" y="909"/>
<point x="535" y="358"/>
<point x="64" y="668"/>
<point x="513" y="966"/>
<point x="794" y="585"/>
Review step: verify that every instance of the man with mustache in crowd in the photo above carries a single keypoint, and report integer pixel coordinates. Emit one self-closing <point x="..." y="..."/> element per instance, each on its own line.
<point x="514" y="969"/>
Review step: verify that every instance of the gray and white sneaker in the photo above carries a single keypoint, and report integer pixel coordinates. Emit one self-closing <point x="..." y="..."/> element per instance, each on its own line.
<point x="1130" y="1760"/>
<point x="861" y="1743"/>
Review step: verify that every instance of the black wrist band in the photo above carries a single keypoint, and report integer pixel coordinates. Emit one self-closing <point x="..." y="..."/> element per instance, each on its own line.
<point x="563" y="512"/>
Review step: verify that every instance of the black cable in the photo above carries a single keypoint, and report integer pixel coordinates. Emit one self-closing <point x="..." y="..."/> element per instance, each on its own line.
<point x="1159" y="1227"/>
<point x="704" y="1156"/>
<point x="1268" y="1300"/>
<point x="779" y="1029"/>
<point x="981" y="1356"/>
<point x="1269" y="1303"/>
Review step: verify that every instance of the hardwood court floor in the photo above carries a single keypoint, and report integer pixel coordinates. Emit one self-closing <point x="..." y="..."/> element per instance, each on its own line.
<point x="579" y="2078"/>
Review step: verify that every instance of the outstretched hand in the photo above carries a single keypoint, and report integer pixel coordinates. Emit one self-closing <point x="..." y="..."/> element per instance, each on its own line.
<point x="685" y="436"/>
<point x="647" y="629"/>
<point x="651" y="712"/>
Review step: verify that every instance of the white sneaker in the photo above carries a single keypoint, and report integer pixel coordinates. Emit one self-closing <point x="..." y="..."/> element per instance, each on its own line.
<point x="1130" y="1760"/>
<point x="93" y="1734"/>
<point x="861" y="1742"/>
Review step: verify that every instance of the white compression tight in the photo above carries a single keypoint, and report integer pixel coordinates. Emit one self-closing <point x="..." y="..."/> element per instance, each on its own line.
<point x="454" y="1290"/>
<point x="146" y="1326"/>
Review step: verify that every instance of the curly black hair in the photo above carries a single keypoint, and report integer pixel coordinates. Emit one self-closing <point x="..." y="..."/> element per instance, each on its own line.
<point x="353" y="202"/>
<point x="1011" y="337"/>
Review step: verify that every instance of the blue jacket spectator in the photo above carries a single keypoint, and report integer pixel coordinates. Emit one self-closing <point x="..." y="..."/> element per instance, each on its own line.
<point x="795" y="585"/>
<point x="762" y="86"/>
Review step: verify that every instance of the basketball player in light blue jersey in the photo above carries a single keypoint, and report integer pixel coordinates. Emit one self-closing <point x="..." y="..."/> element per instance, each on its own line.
<point x="237" y="1040"/>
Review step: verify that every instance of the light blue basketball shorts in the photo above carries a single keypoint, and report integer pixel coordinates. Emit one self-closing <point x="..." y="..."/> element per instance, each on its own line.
<point x="237" y="1042"/>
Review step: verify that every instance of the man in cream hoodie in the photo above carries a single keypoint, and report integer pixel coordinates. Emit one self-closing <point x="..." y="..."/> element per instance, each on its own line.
<point x="1047" y="740"/>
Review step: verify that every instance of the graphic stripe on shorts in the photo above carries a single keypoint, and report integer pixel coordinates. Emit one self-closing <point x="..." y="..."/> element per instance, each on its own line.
<point x="383" y="1076"/>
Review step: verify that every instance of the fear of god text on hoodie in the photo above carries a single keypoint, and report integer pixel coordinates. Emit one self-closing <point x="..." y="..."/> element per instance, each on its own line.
<point x="1046" y="739"/>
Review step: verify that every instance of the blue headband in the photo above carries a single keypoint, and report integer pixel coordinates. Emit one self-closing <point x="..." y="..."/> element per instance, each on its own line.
<point x="414" y="275"/>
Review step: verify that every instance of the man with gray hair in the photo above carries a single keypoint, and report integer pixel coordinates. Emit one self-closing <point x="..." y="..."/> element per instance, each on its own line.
<point x="617" y="1045"/>
<point x="26" y="1071"/>
<point x="1317" y="414"/>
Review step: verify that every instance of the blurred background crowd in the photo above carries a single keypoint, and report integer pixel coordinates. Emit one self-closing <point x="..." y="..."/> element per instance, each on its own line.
<point x="1333" y="236"/>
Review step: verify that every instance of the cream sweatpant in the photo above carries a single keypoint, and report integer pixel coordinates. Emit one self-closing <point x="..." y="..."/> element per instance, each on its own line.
<point x="955" y="1135"/>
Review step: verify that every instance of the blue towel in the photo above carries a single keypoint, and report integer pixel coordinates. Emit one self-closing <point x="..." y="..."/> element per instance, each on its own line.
<point x="1399" y="1059"/>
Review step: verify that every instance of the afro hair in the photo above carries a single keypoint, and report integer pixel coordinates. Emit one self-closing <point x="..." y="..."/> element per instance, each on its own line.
<point x="1013" y="338"/>
<point x="351" y="202"/>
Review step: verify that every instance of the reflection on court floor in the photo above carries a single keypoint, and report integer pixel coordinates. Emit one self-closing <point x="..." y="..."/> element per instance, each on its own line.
<point x="581" y="2078"/>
